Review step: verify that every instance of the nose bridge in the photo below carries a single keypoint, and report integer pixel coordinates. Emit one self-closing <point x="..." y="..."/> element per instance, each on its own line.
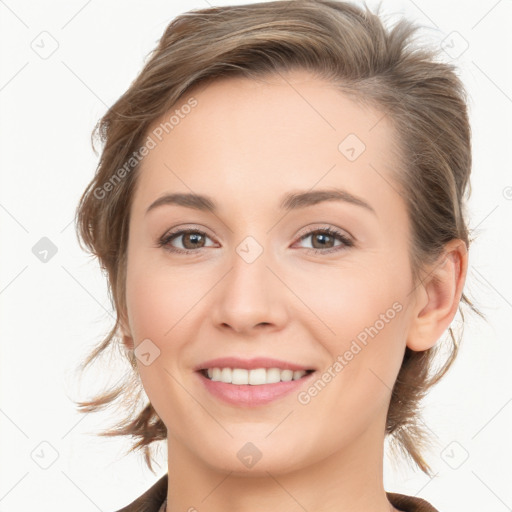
<point x="250" y="294"/>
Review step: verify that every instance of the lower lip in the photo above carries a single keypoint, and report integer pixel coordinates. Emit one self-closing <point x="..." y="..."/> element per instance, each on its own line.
<point x="249" y="395"/>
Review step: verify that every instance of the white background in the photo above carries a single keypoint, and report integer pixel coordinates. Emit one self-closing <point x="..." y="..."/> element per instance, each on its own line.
<point x="52" y="314"/>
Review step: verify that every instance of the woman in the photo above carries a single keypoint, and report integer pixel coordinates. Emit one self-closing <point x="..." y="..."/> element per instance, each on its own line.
<point x="279" y="209"/>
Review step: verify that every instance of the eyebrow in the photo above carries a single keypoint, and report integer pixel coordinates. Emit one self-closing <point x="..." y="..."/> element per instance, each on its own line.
<point x="291" y="201"/>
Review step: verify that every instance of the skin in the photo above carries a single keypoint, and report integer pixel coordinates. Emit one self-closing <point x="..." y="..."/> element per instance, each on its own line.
<point x="246" y="144"/>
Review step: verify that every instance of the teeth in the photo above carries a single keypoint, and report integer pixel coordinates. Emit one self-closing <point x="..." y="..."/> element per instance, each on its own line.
<point x="254" y="377"/>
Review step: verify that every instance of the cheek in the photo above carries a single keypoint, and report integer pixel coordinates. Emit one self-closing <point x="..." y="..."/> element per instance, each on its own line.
<point x="158" y="303"/>
<point x="359" y="314"/>
<point x="158" y="300"/>
<point x="149" y="308"/>
<point x="348" y="298"/>
<point x="367" y="314"/>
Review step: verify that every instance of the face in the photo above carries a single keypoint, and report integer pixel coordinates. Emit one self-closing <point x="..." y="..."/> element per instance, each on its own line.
<point x="313" y="281"/>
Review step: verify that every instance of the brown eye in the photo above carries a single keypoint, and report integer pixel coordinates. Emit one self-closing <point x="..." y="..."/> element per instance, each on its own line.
<point x="192" y="240"/>
<point x="323" y="240"/>
<point x="189" y="239"/>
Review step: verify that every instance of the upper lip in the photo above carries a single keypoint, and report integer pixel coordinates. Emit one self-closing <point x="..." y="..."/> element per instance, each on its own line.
<point x="250" y="364"/>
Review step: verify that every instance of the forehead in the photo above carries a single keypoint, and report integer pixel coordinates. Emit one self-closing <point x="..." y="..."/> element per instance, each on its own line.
<point x="250" y="141"/>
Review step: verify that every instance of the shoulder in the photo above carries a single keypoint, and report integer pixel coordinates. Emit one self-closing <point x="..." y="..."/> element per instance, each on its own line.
<point x="409" y="503"/>
<point x="151" y="500"/>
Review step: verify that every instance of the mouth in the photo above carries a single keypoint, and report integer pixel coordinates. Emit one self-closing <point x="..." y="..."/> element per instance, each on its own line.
<point x="253" y="377"/>
<point x="253" y="382"/>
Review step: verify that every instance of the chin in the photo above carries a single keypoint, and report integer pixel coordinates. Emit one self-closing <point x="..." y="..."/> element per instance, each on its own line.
<point x="254" y="458"/>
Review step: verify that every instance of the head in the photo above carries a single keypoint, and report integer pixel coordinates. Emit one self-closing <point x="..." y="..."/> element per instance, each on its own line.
<point x="246" y="106"/>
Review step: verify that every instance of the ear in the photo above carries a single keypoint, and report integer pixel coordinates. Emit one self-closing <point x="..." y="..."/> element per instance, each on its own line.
<point x="438" y="297"/>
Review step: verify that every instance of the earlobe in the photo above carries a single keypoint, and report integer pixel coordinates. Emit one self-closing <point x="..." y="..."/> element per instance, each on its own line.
<point x="440" y="294"/>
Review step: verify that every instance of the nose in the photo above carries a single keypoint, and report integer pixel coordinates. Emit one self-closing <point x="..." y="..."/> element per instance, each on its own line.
<point x="250" y="297"/>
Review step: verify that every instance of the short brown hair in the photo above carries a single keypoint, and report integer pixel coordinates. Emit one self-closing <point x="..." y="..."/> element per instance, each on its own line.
<point x="348" y="45"/>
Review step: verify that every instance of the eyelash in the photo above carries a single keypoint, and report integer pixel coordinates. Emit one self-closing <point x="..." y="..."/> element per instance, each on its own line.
<point x="165" y="240"/>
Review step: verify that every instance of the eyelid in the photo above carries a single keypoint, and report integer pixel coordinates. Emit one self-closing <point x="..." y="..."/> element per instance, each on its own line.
<point x="326" y="227"/>
<point x="347" y="240"/>
<point x="178" y="231"/>
<point x="186" y="227"/>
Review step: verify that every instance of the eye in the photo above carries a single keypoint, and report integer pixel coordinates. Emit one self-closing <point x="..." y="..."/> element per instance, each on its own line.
<point x="323" y="240"/>
<point x="190" y="240"/>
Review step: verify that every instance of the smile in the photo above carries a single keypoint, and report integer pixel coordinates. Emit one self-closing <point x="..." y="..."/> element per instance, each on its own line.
<point x="255" y="387"/>
<point x="254" y="377"/>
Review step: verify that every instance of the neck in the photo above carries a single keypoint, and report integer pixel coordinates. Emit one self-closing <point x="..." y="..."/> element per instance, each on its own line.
<point x="347" y="480"/>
